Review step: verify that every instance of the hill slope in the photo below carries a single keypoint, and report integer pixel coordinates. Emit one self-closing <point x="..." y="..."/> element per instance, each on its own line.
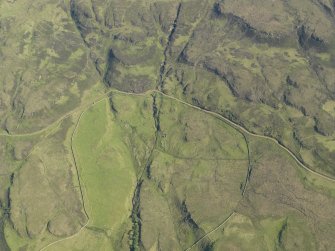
<point x="167" y="125"/>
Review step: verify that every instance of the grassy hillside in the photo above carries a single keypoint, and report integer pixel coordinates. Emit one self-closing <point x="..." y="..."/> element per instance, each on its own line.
<point x="173" y="176"/>
<point x="167" y="125"/>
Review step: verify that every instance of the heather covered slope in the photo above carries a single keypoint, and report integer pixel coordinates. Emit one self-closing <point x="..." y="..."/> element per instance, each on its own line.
<point x="266" y="65"/>
<point x="165" y="180"/>
<point x="167" y="125"/>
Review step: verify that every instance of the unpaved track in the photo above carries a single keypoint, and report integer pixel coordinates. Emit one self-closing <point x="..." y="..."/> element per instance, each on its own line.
<point x="231" y="123"/>
<point x="88" y="105"/>
<point x="68" y="114"/>
<point x="79" y="183"/>
<point x="213" y="230"/>
<point x="238" y="127"/>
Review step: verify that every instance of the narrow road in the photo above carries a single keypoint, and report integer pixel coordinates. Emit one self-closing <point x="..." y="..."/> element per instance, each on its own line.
<point x="105" y="96"/>
<point x="79" y="182"/>
<point x="86" y="105"/>
<point x="231" y="123"/>
<point x="239" y="127"/>
<point x="69" y="237"/>
<point x="213" y="230"/>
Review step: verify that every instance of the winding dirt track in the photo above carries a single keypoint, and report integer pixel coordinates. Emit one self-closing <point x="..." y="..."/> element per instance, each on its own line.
<point x="81" y="107"/>
<point x="231" y="123"/>
<point x="86" y="106"/>
<point x="213" y="230"/>
<point x="240" y="128"/>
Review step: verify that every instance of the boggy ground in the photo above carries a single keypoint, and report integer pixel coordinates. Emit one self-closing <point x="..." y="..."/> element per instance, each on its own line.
<point x="86" y="167"/>
<point x="191" y="171"/>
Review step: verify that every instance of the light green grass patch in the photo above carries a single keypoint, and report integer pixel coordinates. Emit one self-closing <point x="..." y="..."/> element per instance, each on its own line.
<point x="105" y="166"/>
<point x="324" y="56"/>
<point x="62" y="100"/>
<point x="13" y="239"/>
<point x="315" y="182"/>
<point x="74" y="89"/>
<point x="180" y="40"/>
<point x="271" y="228"/>
<point x="239" y="233"/>
<point x="328" y="142"/>
<point x="77" y="54"/>
<point x="18" y="243"/>
<point x="329" y="107"/>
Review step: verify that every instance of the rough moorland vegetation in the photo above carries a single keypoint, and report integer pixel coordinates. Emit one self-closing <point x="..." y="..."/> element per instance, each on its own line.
<point x="167" y="125"/>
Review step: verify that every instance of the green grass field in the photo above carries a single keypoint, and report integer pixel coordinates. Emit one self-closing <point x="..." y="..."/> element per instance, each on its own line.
<point x="195" y="160"/>
<point x="105" y="167"/>
<point x="115" y="133"/>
